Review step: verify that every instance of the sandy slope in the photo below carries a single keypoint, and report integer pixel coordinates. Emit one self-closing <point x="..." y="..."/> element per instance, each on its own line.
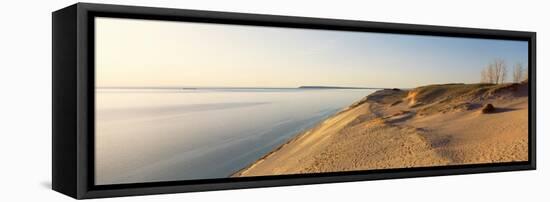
<point x="426" y="126"/>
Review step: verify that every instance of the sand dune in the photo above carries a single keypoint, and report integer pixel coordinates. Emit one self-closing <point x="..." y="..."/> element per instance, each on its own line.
<point x="426" y="126"/>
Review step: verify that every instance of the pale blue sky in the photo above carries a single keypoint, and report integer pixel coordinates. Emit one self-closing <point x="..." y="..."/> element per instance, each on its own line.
<point x="133" y="52"/>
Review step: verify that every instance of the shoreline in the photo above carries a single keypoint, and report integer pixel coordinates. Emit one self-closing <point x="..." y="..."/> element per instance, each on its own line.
<point x="296" y="137"/>
<point x="299" y="135"/>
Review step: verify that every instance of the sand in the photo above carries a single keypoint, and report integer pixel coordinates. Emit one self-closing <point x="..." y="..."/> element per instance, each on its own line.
<point x="427" y="126"/>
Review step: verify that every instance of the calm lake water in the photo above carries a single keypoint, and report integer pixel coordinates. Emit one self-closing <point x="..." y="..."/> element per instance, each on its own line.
<point x="150" y="135"/>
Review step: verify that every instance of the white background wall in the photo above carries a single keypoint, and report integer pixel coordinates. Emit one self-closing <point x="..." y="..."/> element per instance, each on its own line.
<point x="25" y="103"/>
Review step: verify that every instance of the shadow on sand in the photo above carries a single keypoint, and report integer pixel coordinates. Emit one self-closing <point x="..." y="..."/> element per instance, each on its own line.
<point x="502" y="110"/>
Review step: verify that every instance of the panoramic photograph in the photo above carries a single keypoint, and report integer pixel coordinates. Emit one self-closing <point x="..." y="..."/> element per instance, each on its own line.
<point x="189" y="101"/>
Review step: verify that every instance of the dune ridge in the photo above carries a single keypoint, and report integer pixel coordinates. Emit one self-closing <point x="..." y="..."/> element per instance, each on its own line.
<point x="426" y="126"/>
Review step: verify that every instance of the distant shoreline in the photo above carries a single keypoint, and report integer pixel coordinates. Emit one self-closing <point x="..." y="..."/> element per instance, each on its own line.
<point x="339" y="87"/>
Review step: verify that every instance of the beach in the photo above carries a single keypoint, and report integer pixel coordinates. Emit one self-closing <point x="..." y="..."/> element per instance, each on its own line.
<point x="434" y="125"/>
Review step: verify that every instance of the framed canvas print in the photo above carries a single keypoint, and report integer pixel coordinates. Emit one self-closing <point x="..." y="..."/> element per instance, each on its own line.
<point x="155" y="100"/>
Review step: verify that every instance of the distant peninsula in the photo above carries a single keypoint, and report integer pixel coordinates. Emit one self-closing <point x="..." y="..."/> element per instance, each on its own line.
<point x="336" y="87"/>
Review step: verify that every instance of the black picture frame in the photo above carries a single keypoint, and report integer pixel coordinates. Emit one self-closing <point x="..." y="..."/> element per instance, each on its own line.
<point x="73" y="100"/>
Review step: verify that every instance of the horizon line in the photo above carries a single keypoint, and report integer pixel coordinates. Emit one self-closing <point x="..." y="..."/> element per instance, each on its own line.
<point x="234" y="87"/>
